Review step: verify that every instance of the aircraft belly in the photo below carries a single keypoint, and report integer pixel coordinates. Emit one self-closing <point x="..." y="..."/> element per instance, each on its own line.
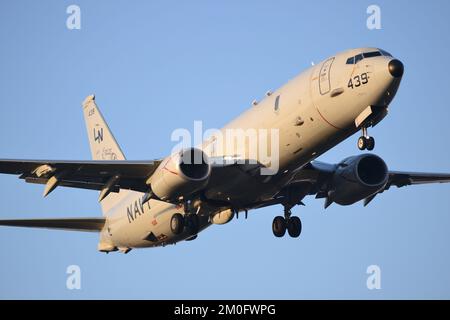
<point x="149" y="229"/>
<point x="132" y="223"/>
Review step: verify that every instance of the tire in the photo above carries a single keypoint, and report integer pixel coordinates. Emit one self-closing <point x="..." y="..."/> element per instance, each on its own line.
<point x="294" y="227"/>
<point x="177" y="223"/>
<point x="279" y="226"/>
<point x="370" y="143"/>
<point x="362" y="143"/>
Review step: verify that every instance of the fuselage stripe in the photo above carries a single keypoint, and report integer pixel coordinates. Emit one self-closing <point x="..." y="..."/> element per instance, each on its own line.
<point x="324" y="119"/>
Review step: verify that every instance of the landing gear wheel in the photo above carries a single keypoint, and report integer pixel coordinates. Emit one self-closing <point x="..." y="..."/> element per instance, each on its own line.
<point x="177" y="223"/>
<point x="366" y="142"/>
<point x="294" y="227"/>
<point x="192" y="223"/>
<point x="279" y="226"/>
<point x="370" y="143"/>
<point x="362" y="143"/>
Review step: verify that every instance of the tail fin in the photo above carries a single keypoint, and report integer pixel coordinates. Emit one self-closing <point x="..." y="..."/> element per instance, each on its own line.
<point x="102" y="142"/>
<point x="103" y="145"/>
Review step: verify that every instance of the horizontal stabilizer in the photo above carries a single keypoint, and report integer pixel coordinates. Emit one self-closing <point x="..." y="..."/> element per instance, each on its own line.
<point x="72" y="224"/>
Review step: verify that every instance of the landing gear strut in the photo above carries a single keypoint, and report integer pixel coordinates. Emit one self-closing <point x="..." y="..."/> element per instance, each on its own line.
<point x="292" y="224"/>
<point x="366" y="142"/>
<point x="191" y="221"/>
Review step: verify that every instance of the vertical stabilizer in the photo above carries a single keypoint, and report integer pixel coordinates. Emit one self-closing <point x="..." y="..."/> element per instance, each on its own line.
<point x="103" y="146"/>
<point x="101" y="140"/>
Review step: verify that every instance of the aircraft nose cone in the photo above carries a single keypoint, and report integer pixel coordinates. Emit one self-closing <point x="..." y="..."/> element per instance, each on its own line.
<point x="396" y="68"/>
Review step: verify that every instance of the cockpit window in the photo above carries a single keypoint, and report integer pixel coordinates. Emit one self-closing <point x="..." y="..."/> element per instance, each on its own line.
<point x="358" y="58"/>
<point x="371" y="54"/>
<point x="385" y="53"/>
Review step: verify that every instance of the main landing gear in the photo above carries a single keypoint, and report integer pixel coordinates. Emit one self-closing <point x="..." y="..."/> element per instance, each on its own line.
<point x="180" y="223"/>
<point x="293" y="225"/>
<point x="366" y="142"/>
<point x="189" y="222"/>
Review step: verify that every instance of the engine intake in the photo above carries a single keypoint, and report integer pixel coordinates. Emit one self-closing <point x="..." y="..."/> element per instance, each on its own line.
<point x="181" y="175"/>
<point x="357" y="178"/>
<point x="194" y="164"/>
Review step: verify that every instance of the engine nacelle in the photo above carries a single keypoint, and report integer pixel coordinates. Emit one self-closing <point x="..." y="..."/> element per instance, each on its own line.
<point x="357" y="178"/>
<point x="180" y="175"/>
<point x="222" y="217"/>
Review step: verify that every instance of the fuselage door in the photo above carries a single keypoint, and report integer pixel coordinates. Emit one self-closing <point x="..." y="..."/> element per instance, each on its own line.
<point x="324" y="76"/>
<point x="327" y="91"/>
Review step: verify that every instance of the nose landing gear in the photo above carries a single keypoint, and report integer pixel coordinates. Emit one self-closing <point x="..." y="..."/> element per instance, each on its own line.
<point x="293" y="225"/>
<point x="366" y="142"/>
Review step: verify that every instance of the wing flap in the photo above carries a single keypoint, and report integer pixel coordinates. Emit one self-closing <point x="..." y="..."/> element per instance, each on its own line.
<point x="72" y="224"/>
<point x="72" y="184"/>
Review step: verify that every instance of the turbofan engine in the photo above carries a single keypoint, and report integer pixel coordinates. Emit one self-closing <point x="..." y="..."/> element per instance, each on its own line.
<point x="357" y="178"/>
<point x="180" y="175"/>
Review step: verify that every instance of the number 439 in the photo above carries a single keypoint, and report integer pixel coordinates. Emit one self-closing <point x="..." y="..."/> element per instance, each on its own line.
<point x="358" y="80"/>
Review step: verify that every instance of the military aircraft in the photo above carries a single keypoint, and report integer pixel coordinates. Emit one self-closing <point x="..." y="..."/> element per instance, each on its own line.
<point x="164" y="201"/>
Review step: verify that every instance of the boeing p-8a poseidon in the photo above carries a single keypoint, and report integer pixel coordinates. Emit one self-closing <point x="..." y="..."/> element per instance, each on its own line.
<point x="155" y="203"/>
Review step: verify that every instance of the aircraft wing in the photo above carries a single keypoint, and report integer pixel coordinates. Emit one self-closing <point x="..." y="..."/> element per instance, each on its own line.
<point x="73" y="224"/>
<point x="94" y="175"/>
<point x="316" y="176"/>
<point x="99" y="174"/>
<point x="403" y="178"/>
<point x="400" y="178"/>
<point x="319" y="172"/>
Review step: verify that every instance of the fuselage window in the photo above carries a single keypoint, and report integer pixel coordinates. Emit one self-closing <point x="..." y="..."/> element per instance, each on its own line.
<point x="277" y="103"/>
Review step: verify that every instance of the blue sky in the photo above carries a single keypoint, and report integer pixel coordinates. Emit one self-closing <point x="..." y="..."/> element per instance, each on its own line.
<point x="159" y="65"/>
